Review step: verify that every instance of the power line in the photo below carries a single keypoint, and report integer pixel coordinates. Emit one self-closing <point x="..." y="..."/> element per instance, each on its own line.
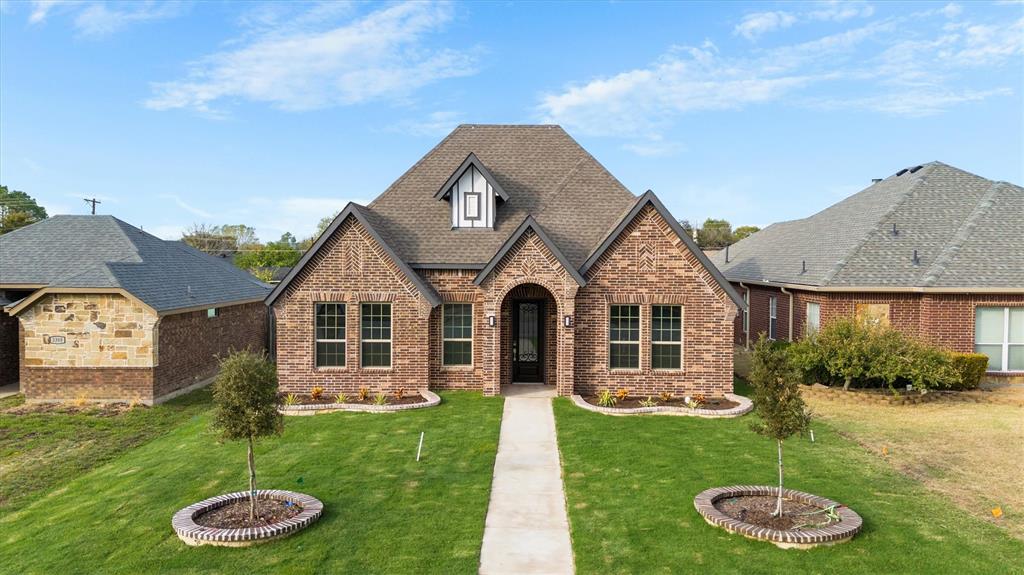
<point x="92" y="201"/>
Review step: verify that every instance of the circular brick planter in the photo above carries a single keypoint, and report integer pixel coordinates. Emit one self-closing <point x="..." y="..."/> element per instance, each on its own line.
<point x="849" y="523"/>
<point x="431" y="398"/>
<point x="194" y="534"/>
<point x="745" y="405"/>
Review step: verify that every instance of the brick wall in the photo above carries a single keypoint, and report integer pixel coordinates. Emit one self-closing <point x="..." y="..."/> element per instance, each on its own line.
<point x="649" y="265"/>
<point x="8" y="348"/>
<point x="191" y="344"/>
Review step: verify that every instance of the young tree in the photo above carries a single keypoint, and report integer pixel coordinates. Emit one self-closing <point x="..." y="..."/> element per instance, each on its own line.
<point x="743" y="232"/>
<point x="782" y="411"/>
<point x="17" y="210"/>
<point x="714" y="234"/>
<point x="245" y="405"/>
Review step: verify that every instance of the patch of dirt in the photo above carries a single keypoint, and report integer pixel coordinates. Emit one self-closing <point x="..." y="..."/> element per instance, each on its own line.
<point x="759" y="510"/>
<point x="93" y="409"/>
<point x="325" y="399"/>
<point x="634" y="402"/>
<point x="235" y="515"/>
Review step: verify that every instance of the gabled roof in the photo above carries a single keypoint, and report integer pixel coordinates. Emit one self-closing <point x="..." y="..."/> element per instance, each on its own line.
<point x="544" y="172"/>
<point x="366" y="220"/>
<point x="471" y="161"/>
<point x="529" y="224"/>
<point x="966" y="230"/>
<point x="103" y="253"/>
<point x="650" y="199"/>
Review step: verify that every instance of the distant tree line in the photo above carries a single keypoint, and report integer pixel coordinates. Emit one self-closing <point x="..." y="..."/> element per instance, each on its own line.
<point x="17" y="210"/>
<point x="716" y="234"/>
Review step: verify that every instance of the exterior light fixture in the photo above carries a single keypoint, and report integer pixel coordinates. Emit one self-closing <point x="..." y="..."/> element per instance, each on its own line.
<point x="491" y="321"/>
<point x="567" y="321"/>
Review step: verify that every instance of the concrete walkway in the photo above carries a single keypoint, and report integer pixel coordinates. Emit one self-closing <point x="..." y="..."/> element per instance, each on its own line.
<point x="527" y="530"/>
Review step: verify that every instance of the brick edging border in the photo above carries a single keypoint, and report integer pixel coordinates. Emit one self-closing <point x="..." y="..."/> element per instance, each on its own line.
<point x="432" y="399"/>
<point x="744" y="407"/>
<point x="849" y="524"/>
<point x="194" y="534"/>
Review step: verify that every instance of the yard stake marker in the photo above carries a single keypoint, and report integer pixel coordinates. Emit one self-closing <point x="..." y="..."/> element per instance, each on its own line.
<point x="420" y="448"/>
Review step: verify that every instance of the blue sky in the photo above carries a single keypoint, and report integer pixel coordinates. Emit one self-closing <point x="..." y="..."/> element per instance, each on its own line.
<point x="276" y="114"/>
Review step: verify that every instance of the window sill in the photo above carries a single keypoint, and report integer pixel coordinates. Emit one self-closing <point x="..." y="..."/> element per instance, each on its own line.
<point x="376" y="368"/>
<point x="626" y="371"/>
<point x="457" y="367"/>
<point x="664" y="370"/>
<point x="330" y="368"/>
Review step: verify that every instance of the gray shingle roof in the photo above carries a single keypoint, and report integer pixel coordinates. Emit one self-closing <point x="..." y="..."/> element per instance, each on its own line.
<point x="967" y="231"/>
<point x="105" y="252"/>
<point x="545" y="173"/>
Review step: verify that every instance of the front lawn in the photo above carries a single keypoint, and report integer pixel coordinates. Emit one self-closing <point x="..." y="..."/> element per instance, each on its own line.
<point x="384" y="512"/>
<point x="630" y="483"/>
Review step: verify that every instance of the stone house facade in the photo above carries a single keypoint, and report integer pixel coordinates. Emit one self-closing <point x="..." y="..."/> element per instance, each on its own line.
<point x="933" y="251"/>
<point x="91" y="330"/>
<point x="507" y="255"/>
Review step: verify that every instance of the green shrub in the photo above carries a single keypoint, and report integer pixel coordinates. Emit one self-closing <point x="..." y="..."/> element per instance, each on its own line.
<point x="606" y="398"/>
<point x="970" y="368"/>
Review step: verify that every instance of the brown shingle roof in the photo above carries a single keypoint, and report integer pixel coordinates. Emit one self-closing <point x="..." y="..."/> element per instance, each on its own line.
<point x="546" y="174"/>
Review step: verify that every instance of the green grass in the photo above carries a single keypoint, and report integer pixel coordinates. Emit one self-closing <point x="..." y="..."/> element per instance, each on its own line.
<point x="630" y="483"/>
<point x="41" y="450"/>
<point x="384" y="512"/>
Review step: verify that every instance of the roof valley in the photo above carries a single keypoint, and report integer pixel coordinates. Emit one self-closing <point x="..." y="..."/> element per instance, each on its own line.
<point x="934" y="272"/>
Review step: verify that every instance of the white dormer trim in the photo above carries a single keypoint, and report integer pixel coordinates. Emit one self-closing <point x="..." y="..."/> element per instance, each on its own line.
<point x="473" y="193"/>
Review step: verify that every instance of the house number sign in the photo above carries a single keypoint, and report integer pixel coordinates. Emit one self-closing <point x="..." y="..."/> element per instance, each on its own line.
<point x="57" y="339"/>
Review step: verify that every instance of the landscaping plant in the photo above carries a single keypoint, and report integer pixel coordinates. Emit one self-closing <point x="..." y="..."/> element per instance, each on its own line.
<point x="380" y="399"/>
<point x="316" y="393"/>
<point x="363" y="393"/>
<point x="782" y="411"/>
<point x="622" y="394"/>
<point x="341" y="398"/>
<point x="649" y="402"/>
<point x="606" y="399"/>
<point x="245" y="405"/>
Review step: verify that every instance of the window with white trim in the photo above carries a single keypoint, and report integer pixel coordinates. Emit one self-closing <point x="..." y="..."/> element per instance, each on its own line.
<point x="375" y="335"/>
<point x="330" y="334"/>
<point x="624" y="337"/>
<point x="457" y="334"/>
<point x="999" y="334"/>
<point x="212" y="312"/>
<point x="666" y="336"/>
<point x="813" y="322"/>
<point x="773" y="316"/>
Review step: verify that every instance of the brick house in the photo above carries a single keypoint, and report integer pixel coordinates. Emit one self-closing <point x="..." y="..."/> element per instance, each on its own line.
<point x="97" y="309"/>
<point x="505" y="255"/>
<point x="934" y="251"/>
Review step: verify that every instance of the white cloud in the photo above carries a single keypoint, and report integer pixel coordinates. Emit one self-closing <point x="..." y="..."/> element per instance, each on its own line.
<point x="41" y="9"/>
<point x="380" y="55"/>
<point x="753" y="25"/>
<point x="436" y="124"/>
<point x="884" y="65"/>
<point x="186" y="206"/>
<point x="98" y="19"/>
<point x="757" y="23"/>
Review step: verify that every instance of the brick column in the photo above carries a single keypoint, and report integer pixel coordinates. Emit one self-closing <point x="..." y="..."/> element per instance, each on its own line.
<point x="566" y="347"/>
<point x="491" y="342"/>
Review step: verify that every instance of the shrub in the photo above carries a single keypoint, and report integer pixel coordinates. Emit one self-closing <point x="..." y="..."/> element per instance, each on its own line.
<point x="649" y="402"/>
<point x="341" y="398"/>
<point x="363" y="393"/>
<point x="622" y="393"/>
<point x="606" y="399"/>
<point x="400" y="393"/>
<point x="666" y="396"/>
<point x="291" y="400"/>
<point x="316" y="393"/>
<point x="970" y="368"/>
<point x="245" y="405"/>
<point x="380" y="399"/>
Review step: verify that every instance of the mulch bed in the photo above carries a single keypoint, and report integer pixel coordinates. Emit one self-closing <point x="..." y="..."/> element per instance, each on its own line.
<point x="326" y="399"/>
<point x="235" y="515"/>
<point x="634" y="402"/>
<point x="758" y="510"/>
<point x="93" y="409"/>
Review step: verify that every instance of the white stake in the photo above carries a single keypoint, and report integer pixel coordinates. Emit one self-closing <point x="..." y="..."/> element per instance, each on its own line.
<point x="420" y="448"/>
<point x="812" y="436"/>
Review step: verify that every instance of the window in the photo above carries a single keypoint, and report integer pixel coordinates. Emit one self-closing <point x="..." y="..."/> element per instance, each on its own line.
<point x="813" y="318"/>
<point x="666" y="337"/>
<point x="773" y="316"/>
<point x="624" y="337"/>
<point x="375" y="334"/>
<point x="472" y="200"/>
<point x="213" y="312"/>
<point x="457" y="334"/>
<point x="330" y="334"/>
<point x="999" y="334"/>
<point x="746" y="312"/>
<point x="872" y="313"/>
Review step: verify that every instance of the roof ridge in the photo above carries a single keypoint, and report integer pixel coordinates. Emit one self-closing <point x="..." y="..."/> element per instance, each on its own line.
<point x="406" y="173"/>
<point x="950" y="251"/>
<point x="840" y="264"/>
<point x="561" y="185"/>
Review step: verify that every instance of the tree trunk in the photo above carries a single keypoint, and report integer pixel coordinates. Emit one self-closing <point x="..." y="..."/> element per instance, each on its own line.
<point x="846" y="384"/>
<point x="252" y="483"/>
<point x="778" y="504"/>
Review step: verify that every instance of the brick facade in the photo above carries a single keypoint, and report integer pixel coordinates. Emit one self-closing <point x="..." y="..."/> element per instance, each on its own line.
<point x="945" y="319"/>
<point x="648" y="264"/>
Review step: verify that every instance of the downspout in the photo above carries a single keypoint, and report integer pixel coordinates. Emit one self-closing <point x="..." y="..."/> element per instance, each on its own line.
<point x="746" y="332"/>
<point x="790" y="329"/>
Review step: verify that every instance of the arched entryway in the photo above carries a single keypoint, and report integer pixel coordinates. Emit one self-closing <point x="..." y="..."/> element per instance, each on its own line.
<point x="529" y="336"/>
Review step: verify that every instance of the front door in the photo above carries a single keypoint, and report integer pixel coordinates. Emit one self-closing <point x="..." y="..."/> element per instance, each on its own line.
<point x="528" y="341"/>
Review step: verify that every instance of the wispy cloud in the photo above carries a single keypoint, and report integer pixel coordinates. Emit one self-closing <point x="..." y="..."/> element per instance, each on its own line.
<point x="186" y="206"/>
<point x="99" y="19"/>
<point x="755" y="24"/>
<point x="883" y="65"/>
<point x="296" y="214"/>
<point x="434" y="125"/>
<point x="297" y="65"/>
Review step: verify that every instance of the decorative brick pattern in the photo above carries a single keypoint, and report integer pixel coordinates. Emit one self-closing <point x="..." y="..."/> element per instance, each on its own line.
<point x="431" y="400"/>
<point x="744" y="407"/>
<point x="849" y="523"/>
<point x="194" y="534"/>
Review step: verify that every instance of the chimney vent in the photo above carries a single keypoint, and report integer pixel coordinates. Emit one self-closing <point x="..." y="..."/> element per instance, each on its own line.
<point x="875" y="180"/>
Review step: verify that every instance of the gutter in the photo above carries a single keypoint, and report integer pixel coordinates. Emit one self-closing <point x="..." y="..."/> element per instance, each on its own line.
<point x="789" y="331"/>
<point x="746" y="332"/>
<point x="885" y="289"/>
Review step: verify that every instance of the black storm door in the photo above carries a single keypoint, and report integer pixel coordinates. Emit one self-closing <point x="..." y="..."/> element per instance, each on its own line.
<point x="528" y="341"/>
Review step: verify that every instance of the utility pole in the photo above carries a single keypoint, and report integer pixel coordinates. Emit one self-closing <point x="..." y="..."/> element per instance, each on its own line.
<point x="92" y="201"/>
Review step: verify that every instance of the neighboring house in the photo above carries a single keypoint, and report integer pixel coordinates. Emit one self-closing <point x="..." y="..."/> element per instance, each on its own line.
<point x="109" y="312"/>
<point x="507" y="254"/>
<point x="934" y="251"/>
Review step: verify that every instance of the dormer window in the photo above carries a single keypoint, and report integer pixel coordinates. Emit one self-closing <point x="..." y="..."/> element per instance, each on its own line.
<point x="473" y="194"/>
